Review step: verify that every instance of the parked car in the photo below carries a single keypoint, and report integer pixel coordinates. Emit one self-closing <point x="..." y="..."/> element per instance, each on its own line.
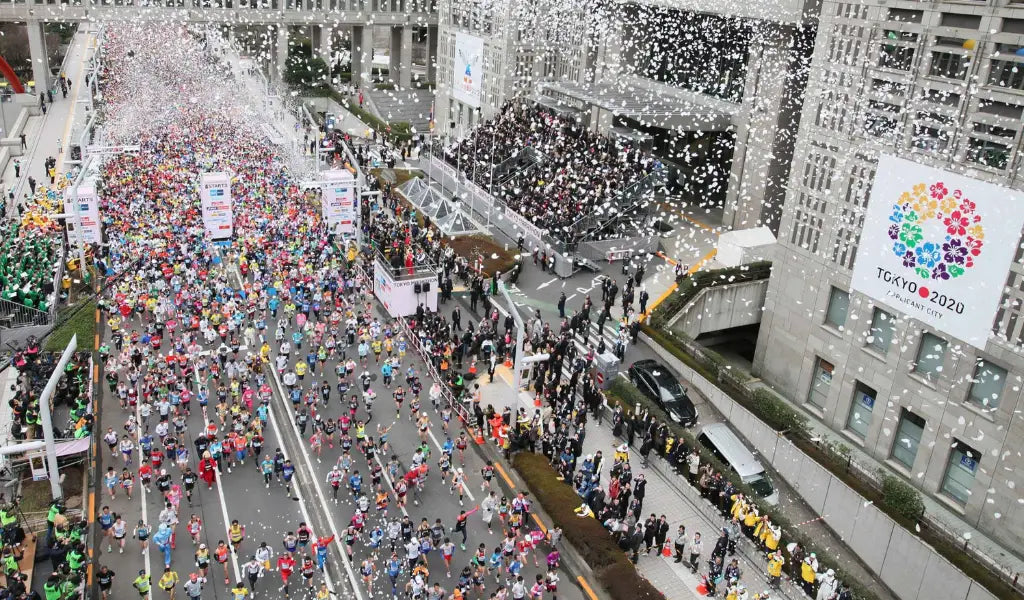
<point x="726" y="445"/>
<point x="659" y="384"/>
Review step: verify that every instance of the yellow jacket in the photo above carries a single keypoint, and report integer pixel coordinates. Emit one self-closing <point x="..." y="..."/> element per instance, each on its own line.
<point x="775" y="566"/>
<point x="807" y="573"/>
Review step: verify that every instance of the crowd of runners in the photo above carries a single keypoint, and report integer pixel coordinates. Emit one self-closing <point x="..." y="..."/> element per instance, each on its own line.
<point x="200" y="336"/>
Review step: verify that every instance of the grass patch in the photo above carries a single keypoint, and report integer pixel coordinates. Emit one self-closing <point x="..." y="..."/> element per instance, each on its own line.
<point x="611" y="566"/>
<point x="79" y="319"/>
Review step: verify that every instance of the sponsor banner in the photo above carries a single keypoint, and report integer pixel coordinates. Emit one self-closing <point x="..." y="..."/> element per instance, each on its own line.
<point x="937" y="246"/>
<point x="339" y="204"/>
<point x="399" y="297"/>
<point x="523" y="224"/>
<point x="88" y="212"/>
<point x="215" y="198"/>
<point x="96" y="149"/>
<point x="444" y="167"/>
<point x="467" y="81"/>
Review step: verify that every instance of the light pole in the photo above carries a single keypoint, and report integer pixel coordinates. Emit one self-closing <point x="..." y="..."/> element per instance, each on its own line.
<point x="46" y="422"/>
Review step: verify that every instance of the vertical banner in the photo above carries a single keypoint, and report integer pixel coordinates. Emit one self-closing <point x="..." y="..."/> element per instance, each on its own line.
<point x="88" y="211"/>
<point x="215" y="194"/>
<point x="339" y="204"/>
<point x="468" y="79"/>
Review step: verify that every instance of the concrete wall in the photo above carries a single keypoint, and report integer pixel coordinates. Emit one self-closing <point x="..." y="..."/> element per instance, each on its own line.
<point x="721" y="307"/>
<point x="911" y="568"/>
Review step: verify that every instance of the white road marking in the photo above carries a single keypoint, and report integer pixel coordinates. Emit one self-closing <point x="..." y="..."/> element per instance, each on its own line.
<point x="546" y="284"/>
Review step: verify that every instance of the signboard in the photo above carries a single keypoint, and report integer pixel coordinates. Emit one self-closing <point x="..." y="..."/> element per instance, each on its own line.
<point x="338" y="202"/>
<point x="937" y="246"/>
<point x="88" y="212"/>
<point x="215" y="196"/>
<point x="467" y="81"/>
<point x="399" y="296"/>
<point x="95" y="149"/>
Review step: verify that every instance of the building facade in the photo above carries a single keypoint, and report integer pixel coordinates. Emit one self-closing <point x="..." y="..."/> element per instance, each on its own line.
<point x="940" y="84"/>
<point x="523" y="44"/>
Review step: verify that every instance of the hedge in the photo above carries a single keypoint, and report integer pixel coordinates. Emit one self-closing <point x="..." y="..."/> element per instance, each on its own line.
<point x="399" y="131"/>
<point x="610" y="565"/>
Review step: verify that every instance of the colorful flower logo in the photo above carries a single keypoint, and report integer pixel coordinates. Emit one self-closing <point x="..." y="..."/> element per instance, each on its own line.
<point x="963" y="232"/>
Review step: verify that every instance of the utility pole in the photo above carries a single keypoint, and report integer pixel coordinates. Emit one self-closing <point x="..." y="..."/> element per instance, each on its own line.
<point x="46" y="419"/>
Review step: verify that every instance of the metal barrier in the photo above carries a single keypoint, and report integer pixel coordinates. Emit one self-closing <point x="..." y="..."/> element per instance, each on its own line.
<point x="13" y="314"/>
<point x="414" y="340"/>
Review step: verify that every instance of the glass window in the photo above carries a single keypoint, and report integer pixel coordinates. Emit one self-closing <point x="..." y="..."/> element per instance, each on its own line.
<point x="838" y="307"/>
<point x="987" y="385"/>
<point x="821" y="382"/>
<point x="908" y="438"/>
<point x="863" y="404"/>
<point x="931" y="355"/>
<point x="883" y="325"/>
<point x="988" y="153"/>
<point x="960" y="472"/>
<point x="948" y="65"/>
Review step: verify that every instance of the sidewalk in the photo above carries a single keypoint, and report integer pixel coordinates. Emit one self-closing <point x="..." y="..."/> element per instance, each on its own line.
<point x="680" y="503"/>
<point x="47" y="135"/>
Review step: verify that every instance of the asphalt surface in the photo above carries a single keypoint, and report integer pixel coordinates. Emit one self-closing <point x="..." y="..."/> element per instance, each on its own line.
<point x="267" y="513"/>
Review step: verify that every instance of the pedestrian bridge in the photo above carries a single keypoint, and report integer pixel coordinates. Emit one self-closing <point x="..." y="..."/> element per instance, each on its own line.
<point x="249" y="12"/>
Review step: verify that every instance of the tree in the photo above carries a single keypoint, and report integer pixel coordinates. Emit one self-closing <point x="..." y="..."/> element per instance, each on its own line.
<point x="303" y="71"/>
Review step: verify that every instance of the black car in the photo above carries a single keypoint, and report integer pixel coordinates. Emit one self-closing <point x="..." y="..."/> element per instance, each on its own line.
<point x="659" y="384"/>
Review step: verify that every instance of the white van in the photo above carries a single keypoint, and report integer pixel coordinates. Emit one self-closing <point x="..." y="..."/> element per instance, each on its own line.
<point x="723" y="443"/>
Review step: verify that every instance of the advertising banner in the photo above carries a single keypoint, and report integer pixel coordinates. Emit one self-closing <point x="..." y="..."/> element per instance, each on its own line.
<point x="467" y="82"/>
<point x="215" y="196"/>
<point x="937" y="246"/>
<point x="523" y="224"/>
<point x="399" y="296"/>
<point x="88" y="211"/>
<point x="338" y="203"/>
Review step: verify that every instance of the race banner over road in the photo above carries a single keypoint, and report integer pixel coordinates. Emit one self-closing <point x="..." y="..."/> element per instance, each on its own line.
<point x="338" y="202"/>
<point x="467" y="82"/>
<point x="215" y="195"/>
<point x="937" y="246"/>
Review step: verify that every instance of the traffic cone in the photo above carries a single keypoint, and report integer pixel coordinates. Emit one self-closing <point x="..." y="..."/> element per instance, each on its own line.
<point x="666" y="551"/>
<point x="478" y="436"/>
<point x="702" y="589"/>
<point x="508" y="362"/>
<point x="536" y="402"/>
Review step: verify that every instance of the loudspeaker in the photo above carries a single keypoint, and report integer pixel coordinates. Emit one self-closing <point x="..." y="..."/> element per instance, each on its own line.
<point x="416" y="288"/>
<point x="426" y="287"/>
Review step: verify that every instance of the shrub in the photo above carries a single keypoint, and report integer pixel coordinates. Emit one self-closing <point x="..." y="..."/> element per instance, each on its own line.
<point x="901" y="497"/>
<point x="623" y="581"/>
<point x="776" y="412"/>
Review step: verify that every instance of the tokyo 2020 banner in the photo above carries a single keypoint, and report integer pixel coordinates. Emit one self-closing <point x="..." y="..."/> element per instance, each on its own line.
<point x="468" y="79"/>
<point x="937" y="246"/>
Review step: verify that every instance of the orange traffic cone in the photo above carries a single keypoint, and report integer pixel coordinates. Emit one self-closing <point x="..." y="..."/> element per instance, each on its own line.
<point x="536" y="402"/>
<point x="478" y="436"/>
<point x="508" y="362"/>
<point x="666" y="551"/>
<point x="702" y="590"/>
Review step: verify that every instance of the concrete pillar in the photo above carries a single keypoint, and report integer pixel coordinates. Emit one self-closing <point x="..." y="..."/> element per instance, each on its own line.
<point x="405" y="57"/>
<point x="748" y="201"/>
<point x="395" y="66"/>
<point x="432" y="54"/>
<point x="326" y="45"/>
<point x="281" y="52"/>
<point x="231" y="34"/>
<point x="362" y="55"/>
<point x="40" y="60"/>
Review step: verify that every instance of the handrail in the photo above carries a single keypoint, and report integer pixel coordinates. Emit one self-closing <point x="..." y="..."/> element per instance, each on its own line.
<point x="634" y="192"/>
